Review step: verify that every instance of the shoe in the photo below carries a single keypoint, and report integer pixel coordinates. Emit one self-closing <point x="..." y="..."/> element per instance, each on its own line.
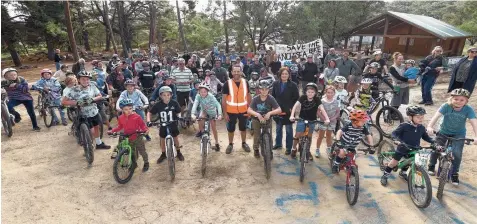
<point x="276" y="147"/>
<point x="310" y="157"/>
<point x="455" y="179"/>
<point x="180" y="156"/>
<point x="110" y="128"/>
<point x="293" y="153"/>
<point x="148" y="138"/>
<point x="103" y="146"/>
<point x="115" y="153"/>
<point x="430" y="171"/>
<point x="245" y="147"/>
<point x="18" y="119"/>
<point x="145" y="167"/>
<point x="256" y="153"/>
<point x="334" y="169"/>
<point x="54" y="123"/>
<point x="287" y="152"/>
<point x="403" y="175"/>
<point x="216" y="148"/>
<point x="317" y="153"/>
<point x="384" y="180"/>
<point x="64" y="123"/>
<point x="161" y="158"/>
<point x="199" y="134"/>
<point x="36" y="128"/>
<point x="422" y="102"/>
<point x="229" y="149"/>
<point x="429" y="104"/>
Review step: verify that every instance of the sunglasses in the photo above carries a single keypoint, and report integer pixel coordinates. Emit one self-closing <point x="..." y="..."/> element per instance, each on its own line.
<point x="473" y="52"/>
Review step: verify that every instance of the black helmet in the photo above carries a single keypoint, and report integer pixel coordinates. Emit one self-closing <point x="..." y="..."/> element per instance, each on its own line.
<point x="460" y="92"/>
<point x="415" y="110"/>
<point x="312" y="85"/>
<point x="265" y="82"/>
<point x="84" y="73"/>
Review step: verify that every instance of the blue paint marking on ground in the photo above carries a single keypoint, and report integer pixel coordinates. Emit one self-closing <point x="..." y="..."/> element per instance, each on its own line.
<point x="456" y="220"/>
<point x="373" y="204"/>
<point x="326" y="171"/>
<point x="398" y="192"/>
<point x="313" y="197"/>
<point x="373" y="165"/>
<point x="341" y="188"/>
<point x="468" y="186"/>
<point x="373" y="159"/>
<point x="346" y="222"/>
<point x="286" y="162"/>
<point x="378" y="177"/>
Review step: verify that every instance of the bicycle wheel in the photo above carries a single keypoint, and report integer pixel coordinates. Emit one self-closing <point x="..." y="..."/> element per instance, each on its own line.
<point x="388" y="119"/>
<point x="170" y="158"/>
<point x="419" y="185"/>
<point x="376" y="133"/>
<point x="39" y="103"/>
<point x="267" y="154"/>
<point x="71" y="113"/>
<point x="124" y="166"/>
<point x="385" y="153"/>
<point x="7" y="122"/>
<point x="443" y="175"/>
<point x="204" y="151"/>
<point x="352" y="185"/>
<point x="101" y="125"/>
<point x="303" y="159"/>
<point x="47" y="114"/>
<point x="87" y="143"/>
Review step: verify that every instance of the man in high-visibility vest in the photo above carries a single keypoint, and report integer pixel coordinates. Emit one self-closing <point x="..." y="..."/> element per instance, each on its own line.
<point x="235" y="101"/>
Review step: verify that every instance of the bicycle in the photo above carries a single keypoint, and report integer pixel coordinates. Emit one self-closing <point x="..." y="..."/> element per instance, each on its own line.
<point x="352" y="175"/>
<point x="205" y="145"/>
<point x="387" y="113"/>
<point x="45" y="108"/>
<point x="418" y="178"/>
<point x="8" y="120"/>
<point x="304" y="146"/>
<point x="445" y="157"/>
<point x="266" y="145"/>
<point x="126" y="158"/>
<point x="171" y="152"/>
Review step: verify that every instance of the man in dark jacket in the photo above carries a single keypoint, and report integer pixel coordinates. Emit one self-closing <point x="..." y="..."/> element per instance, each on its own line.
<point x="78" y="66"/>
<point x="309" y="73"/>
<point x="286" y="93"/>
<point x="464" y="74"/>
<point x="57" y="59"/>
<point x="220" y="72"/>
<point x="256" y="66"/>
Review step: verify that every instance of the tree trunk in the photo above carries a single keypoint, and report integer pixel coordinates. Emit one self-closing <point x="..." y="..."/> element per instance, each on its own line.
<point x="108" y="40"/>
<point x="51" y="48"/>
<point x="83" y="30"/>
<point x="108" y="24"/>
<point x="69" y="27"/>
<point x="226" y="30"/>
<point x="181" y="28"/>
<point x="152" y="23"/>
<point x="13" y="52"/>
<point x="122" y="31"/>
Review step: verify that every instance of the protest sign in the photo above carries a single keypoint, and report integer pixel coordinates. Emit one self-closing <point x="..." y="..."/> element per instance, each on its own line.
<point x="285" y="52"/>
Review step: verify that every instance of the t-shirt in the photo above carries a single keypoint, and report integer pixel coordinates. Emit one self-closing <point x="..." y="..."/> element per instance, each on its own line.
<point x="209" y="104"/>
<point x="225" y="88"/>
<point x="275" y="66"/>
<point x="263" y="107"/>
<point x="454" y="121"/>
<point x="146" y="79"/>
<point x="167" y="112"/>
<point x="182" y="76"/>
<point x="309" y="108"/>
<point x="78" y="93"/>
<point x="352" y="136"/>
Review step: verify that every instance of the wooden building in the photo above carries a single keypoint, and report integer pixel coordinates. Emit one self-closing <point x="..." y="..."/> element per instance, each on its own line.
<point x="411" y="34"/>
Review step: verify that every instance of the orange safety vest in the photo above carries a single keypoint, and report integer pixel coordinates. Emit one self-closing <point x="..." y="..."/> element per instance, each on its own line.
<point x="237" y="98"/>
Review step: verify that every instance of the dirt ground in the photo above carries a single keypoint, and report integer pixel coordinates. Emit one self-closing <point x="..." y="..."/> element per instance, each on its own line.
<point x="45" y="179"/>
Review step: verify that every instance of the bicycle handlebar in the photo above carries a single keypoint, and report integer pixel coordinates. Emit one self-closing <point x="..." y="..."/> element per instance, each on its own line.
<point x="116" y="134"/>
<point x="309" y="122"/>
<point x="163" y="124"/>
<point x="433" y="146"/>
<point x="467" y="141"/>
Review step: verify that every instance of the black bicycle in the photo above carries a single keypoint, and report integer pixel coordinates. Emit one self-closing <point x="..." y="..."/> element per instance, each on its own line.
<point x="304" y="146"/>
<point x="388" y="118"/>
<point x="205" y="145"/>
<point x="45" y="107"/>
<point x="7" y="118"/>
<point x="266" y="145"/>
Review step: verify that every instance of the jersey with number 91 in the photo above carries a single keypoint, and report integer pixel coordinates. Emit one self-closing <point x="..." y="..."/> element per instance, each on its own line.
<point x="167" y="112"/>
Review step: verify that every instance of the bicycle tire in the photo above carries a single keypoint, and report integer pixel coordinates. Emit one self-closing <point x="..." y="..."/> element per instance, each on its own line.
<point x="427" y="180"/>
<point x="39" y="104"/>
<point x="204" y="145"/>
<point x="130" y="165"/>
<point x="87" y="143"/>
<point x="443" y="175"/>
<point x="377" y="131"/>
<point x="170" y="159"/>
<point x="70" y="113"/>
<point x="101" y="126"/>
<point x="48" y="121"/>
<point x="352" y="198"/>
<point x="304" y="149"/>
<point x="266" y="153"/>
<point x="388" y="119"/>
<point x="7" y="122"/>
<point x="381" y="157"/>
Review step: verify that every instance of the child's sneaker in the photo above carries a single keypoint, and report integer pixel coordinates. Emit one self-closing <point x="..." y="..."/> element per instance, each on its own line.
<point x="455" y="179"/>
<point x="145" y="167"/>
<point x="430" y="171"/>
<point x="217" y="147"/>
<point x="334" y="169"/>
<point x="256" y="153"/>
<point x="403" y="175"/>
<point x="180" y="156"/>
<point x="148" y="138"/>
<point x="310" y="157"/>
<point x="293" y="154"/>
<point x="317" y="153"/>
<point x="199" y="134"/>
<point x="161" y="158"/>
<point x="384" y="179"/>
<point x="114" y="153"/>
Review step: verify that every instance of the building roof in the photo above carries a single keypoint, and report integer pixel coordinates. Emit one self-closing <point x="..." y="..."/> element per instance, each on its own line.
<point x="434" y="26"/>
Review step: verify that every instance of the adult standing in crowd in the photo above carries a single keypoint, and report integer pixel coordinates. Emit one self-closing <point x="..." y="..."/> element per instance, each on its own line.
<point x="78" y="66"/>
<point x="378" y="57"/>
<point x="275" y="65"/>
<point x="331" y="71"/>
<point x="464" y="74"/>
<point x="183" y="77"/>
<point x="430" y="67"/>
<point x="60" y="75"/>
<point x="295" y="69"/>
<point x="286" y="93"/>
<point x="58" y="59"/>
<point x="400" y="83"/>
<point x="360" y="61"/>
<point x="220" y="72"/>
<point x="235" y="101"/>
<point x="347" y="67"/>
<point x="331" y="55"/>
<point x="256" y="66"/>
<point x="192" y="66"/>
<point x="18" y="92"/>
<point x="309" y="73"/>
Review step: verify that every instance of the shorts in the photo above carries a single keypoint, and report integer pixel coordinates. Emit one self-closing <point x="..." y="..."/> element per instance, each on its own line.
<point x="400" y="152"/>
<point x="300" y="126"/>
<point x="329" y="127"/>
<point x="242" y="120"/>
<point x="204" y="113"/>
<point x="173" y="129"/>
<point x="94" y="121"/>
<point x="402" y="97"/>
<point x="182" y="98"/>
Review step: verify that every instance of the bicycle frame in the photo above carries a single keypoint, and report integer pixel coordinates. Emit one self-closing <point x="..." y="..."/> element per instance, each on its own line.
<point x="124" y="144"/>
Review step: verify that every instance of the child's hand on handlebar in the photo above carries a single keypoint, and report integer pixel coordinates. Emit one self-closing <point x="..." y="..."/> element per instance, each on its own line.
<point x="430" y="131"/>
<point x="149" y="124"/>
<point x="292" y="119"/>
<point x="219" y="117"/>
<point x="193" y="117"/>
<point x="260" y="118"/>
<point x="327" y="122"/>
<point x="267" y="116"/>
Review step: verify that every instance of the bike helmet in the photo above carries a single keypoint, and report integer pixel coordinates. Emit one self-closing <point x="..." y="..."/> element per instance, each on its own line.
<point x="377" y="53"/>
<point x="312" y="85"/>
<point x="125" y="102"/>
<point x="165" y="89"/>
<point x="358" y="115"/>
<point x="374" y="65"/>
<point x="287" y="63"/>
<point x="7" y="70"/>
<point x="205" y="86"/>
<point x="145" y="64"/>
<point x="84" y="73"/>
<point x="45" y="71"/>
<point x="265" y="83"/>
<point x="129" y="82"/>
<point x="460" y="92"/>
<point x="415" y="110"/>
<point x="198" y="81"/>
<point x="167" y="76"/>
<point x="410" y="61"/>
<point x="366" y="81"/>
<point x="255" y="76"/>
<point x="155" y="61"/>
<point x="340" y="79"/>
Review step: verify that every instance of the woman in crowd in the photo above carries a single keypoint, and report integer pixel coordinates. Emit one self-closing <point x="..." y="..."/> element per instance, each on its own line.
<point x="430" y="67"/>
<point x="464" y="74"/>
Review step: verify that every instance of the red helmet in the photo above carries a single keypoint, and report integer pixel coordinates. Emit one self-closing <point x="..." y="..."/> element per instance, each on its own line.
<point x="45" y="71"/>
<point x="358" y="115"/>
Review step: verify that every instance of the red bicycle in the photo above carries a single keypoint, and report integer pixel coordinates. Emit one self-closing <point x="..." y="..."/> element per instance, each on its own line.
<point x="349" y="165"/>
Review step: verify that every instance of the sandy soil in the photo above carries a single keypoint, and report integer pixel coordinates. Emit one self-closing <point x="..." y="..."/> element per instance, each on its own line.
<point x="45" y="179"/>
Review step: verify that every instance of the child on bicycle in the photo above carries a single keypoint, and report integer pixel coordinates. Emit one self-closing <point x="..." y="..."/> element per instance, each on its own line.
<point x="209" y="106"/>
<point x="409" y="133"/>
<point x="70" y="82"/>
<point x="308" y="107"/>
<point x="253" y="83"/>
<point x="263" y="106"/>
<point x="455" y="113"/>
<point x="350" y="136"/>
<point x="167" y="82"/>
<point x="138" y="98"/>
<point x="130" y="122"/>
<point x="363" y="99"/>
<point x="332" y="109"/>
<point x="168" y="110"/>
<point x="53" y="88"/>
<point x="376" y="78"/>
<point x="341" y="93"/>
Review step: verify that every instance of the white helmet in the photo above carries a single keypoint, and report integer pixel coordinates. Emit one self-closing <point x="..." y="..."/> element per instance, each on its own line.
<point x="377" y="52"/>
<point x="340" y="79"/>
<point x="205" y="86"/>
<point x="8" y="70"/>
<point x="366" y="81"/>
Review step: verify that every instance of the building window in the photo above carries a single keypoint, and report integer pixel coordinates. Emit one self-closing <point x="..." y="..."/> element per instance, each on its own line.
<point x="403" y="41"/>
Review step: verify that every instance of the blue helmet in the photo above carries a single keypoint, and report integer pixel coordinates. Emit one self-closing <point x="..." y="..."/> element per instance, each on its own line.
<point x="125" y="102"/>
